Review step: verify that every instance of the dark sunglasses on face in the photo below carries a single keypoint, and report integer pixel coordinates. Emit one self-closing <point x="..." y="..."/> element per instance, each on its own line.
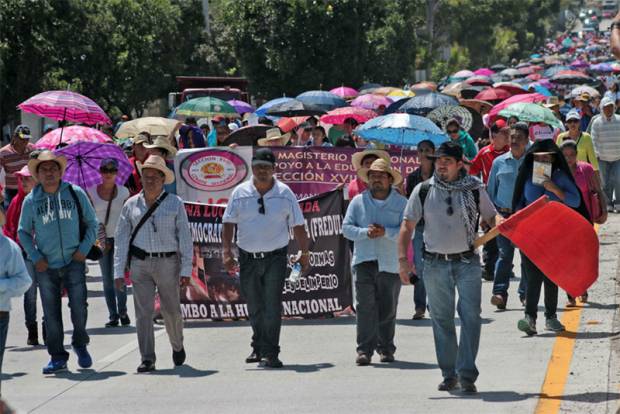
<point x="261" y="206"/>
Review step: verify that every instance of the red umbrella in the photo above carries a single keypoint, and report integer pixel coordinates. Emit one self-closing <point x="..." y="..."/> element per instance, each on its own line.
<point x="339" y="115"/>
<point x="525" y="97"/>
<point x="513" y="88"/>
<point x="287" y="124"/>
<point x="493" y="94"/>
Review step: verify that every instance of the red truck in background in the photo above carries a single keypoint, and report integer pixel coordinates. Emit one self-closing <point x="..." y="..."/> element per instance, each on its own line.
<point x="225" y="88"/>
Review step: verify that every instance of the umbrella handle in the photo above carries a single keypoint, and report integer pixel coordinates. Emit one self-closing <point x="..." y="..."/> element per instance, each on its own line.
<point x="62" y="128"/>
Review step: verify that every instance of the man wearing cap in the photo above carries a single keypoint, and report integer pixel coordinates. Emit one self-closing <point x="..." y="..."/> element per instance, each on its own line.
<point x="264" y="210"/>
<point x="452" y="202"/>
<point x="501" y="187"/>
<point x="160" y="253"/>
<point x="13" y="157"/>
<point x="372" y="221"/>
<point x="606" y="138"/>
<point x="58" y="252"/>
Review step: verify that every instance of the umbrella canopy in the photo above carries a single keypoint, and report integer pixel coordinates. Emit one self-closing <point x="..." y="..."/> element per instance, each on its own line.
<point x="206" y="107"/>
<point x="294" y="107"/>
<point x="526" y="97"/>
<point x="345" y="92"/>
<point x="567" y="77"/>
<point x="385" y="90"/>
<point x="287" y="124"/>
<point x="154" y="125"/>
<point x="498" y="67"/>
<point x="484" y="72"/>
<point x="400" y="94"/>
<point x="470" y="92"/>
<point x="510" y="72"/>
<point x="339" y="115"/>
<point x="454" y="89"/>
<point x="425" y="85"/>
<point x="584" y="89"/>
<point x="71" y="135"/>
<point x="441" y="115"/>
<point x="548" y="73"/>
<point x="423" y="104"/>
<point x="482" y="107"/>
<point x="247" y="135"/>
<point x="370" y="101"/>
<point x="463" y="74"/>
<point x="535" y="87"/>
<point x="531" y="112"/>
<point x="84" y="160"/>
<point x="368" y="87"/>
<point x="262" y="110"/>
<point x="479" y="80"/>
<point x="401" y="129"/>
<point x="527" y="70"/>
<point x="65" y="105"/>
<point x="240" y="106"/>
<point x="604" y="67"/>
<point x="579" y="63"/>
<point x="493" y="94"/>
<point x="512" y="87"/>
<point x="523" y="65"/>
<point x="534" y="76"/>
<point x="322" y="99"/>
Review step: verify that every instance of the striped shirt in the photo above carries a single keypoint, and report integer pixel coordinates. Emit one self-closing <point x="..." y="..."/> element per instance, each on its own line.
<point x="606" y="138"/>
<point x="11" y="162"/>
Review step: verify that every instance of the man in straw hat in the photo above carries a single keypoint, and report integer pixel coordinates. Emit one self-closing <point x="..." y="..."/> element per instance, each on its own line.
<point x="372" y="221"/>
<point x="450" y="203"/>
<point x="162" y="147"/>
<point x="363" y="159"/>
<point x="59" y="253"/>
<point x="274" y="138"/>
<point x="154" y="230"/>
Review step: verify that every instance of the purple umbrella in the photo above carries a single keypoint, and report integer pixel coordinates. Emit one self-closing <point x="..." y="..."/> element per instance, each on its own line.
<point x="65" y="106"/>
<point x="84" y="159"/>
<point x="240" y="106"/>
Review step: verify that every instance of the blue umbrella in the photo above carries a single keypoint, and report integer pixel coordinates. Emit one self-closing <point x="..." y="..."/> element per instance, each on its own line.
<point x="540" y="89"/>
<point x="553" y="70"/>
<point x="324" y="100"/>
<point x="401" y="129"/>
<point x="262" y="110"/>
<point x="423" y="104"/>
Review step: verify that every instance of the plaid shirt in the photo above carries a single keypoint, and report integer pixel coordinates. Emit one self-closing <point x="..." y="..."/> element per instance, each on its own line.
<point x="167" y="230"/>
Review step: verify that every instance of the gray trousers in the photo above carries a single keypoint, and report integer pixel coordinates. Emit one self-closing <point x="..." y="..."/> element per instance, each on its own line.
<point x="377" y="300"/>
<point x="162" y="273"/>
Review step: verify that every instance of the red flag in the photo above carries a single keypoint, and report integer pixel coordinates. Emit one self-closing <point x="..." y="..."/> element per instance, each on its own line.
<point x="559" y="241"/>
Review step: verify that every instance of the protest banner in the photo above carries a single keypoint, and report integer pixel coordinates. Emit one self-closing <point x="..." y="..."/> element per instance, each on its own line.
<point x="215" y="293"/>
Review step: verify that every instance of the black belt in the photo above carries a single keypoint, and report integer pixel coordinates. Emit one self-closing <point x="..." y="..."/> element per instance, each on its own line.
<point x="264" y="255"/>
<point x="161" y="254"/>
<point x="449" y="257"/>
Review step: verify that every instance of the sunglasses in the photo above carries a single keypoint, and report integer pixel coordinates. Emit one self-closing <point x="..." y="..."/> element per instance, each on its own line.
<point x="261" y="206"/>
<point x="450" y="210"/>
<point x="453" y="131"/>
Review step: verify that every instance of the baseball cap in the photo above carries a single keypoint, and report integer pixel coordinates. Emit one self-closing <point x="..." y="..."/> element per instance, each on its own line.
<point x="263" y="156"/>
<point x="22" y="131"/>
<point x="573" y="115"/>
<point x="448" y="149"/>
<point x="606" y="101"/>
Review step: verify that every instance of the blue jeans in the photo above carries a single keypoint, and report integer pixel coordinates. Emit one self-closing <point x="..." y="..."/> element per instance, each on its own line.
<point x="113" y="297"/>
<point x="503" y="269"/>
<point x="610" y="175"/>
<point x="51" y="282"/>
<point x="4" y="330"/>
<point x="442" y="278"/>
<point x="30" y="297"/>
<point x="419" y="291"/>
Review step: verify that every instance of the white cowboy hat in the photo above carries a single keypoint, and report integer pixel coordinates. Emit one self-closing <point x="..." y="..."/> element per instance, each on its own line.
<point x="157" y="163"/>
<point x="44" y="156"/>
<point x="274" y="134"/>
<point x="382" y="166"/>
<point x="163" y="143"/>
<point x="358" y="157"/>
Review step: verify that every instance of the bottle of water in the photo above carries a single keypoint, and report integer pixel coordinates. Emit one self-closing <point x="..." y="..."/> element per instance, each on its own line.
<point x="293" y="277"/>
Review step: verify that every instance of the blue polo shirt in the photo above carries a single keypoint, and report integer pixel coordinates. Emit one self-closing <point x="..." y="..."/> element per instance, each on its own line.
<point x="502" y="178"/>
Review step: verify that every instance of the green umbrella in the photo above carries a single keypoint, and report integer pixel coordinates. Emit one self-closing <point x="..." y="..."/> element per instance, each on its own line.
<point x="206" y="107"/>
<point x="531" y="112"/>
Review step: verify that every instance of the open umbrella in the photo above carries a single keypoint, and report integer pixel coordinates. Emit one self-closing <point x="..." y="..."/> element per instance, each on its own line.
<point x="442" y="114"/>
<point x="401" y="129"/>
<point x="294" y="107"/>
<point x="84" y="160"/>
<point x="531" y="112"/>
<point x="570" y="77"/>
<point x="400" y="94"/>
<point x="493" y="94"/>
<point x="322" y="99"/>
<point x="207" y="107"/>
<point x="526" y="97"/>
<point x="71" y="135"/>
<point x="462" y="74"/>
<point x="339" y="115"/>
<point x="549" y="72"/>
<point x="455" y="88"/>
<point x="484" y="72"/>
<point x="385" y="90"/>
<point x="345" y="92"/>
<point x="604" y="67"/>
<point x="471" y="91"/>
<point x="423" y="104"/>
<point x="512" y="87"/>
<point x="498" y="67"/>
<point x="262" y="110"/>
<point x="240" y="106"/>
<point x="247" y="135"/>
<point x="371" y="101"/>
<point x="65" y="106"/>
<point x="154" y="125"/>
<point x="538" y="88"/>
<point x="479" y="80"/>
<point x="510" y="72"/>
<point x="424" y="86"/>
<point x="584" y="89"/>
<point x="368" y="87"/>
<point x="482" y="107"/>
<point x="287" y="124"/>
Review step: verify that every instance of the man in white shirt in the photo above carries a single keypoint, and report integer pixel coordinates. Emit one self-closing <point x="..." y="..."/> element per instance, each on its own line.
<point x="263" y="209"/>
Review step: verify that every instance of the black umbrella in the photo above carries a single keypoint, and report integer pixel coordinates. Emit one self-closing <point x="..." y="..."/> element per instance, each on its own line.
<point x="423" y="104"/>
<point x="248" y="135"/>
<point x="294" y="108"/>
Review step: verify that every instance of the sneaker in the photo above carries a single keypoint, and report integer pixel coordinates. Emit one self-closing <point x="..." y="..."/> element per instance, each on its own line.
<point x="448" y="384"/>
<point x="362" y="359"/>
<point x="468" y="387"/>
<point x="53" y="367"/>
<point x="527" y="325"/>
<point x="271" y="362"/>
<point x="84" y="359"/>
<point x="386" y="357"/>
<point x="552" y="324"/>
<point x="499" y="301"/>
<point x="419" y="314"/>
<point x="178" y="357"/>
<point x="125" y="321"/>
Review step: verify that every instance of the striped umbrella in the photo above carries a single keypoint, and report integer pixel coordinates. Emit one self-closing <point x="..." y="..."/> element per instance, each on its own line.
<point x="71" y="135"/>
<point x="65" y="106"/>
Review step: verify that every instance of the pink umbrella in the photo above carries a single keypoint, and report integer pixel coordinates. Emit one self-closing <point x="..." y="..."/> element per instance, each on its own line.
<point x="479" y="81"/>
<point x="65" y="106"/>
<point x="345" y="92"/>
<point x="484" y="72"/>
<point x="71" y="135"/>
<point x="524" y="97"/>
<point x="493" y="94"/>
<point x="370" y="101"/>
<point x="339" y="115"/>
<point x="463" y="74"/>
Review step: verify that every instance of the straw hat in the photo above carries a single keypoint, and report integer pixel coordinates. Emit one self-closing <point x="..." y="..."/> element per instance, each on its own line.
<point x="358" y="157"/>
<point x="157" y="163"/>
<point x="551" y="102"/>
<point x="44" y="156"/>
<point x="163" y="143"/>
<point x="382" y="166"/>
<point x="273" y="135"/>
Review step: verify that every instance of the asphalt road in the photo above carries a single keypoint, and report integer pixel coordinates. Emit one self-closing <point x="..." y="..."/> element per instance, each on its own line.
<point x="320" y="374"/>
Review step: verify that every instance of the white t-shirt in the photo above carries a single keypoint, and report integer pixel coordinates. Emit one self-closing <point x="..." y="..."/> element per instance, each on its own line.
<point x="101" y="206"/>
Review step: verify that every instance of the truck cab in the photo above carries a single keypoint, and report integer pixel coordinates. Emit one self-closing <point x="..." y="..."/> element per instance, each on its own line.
<point x="225" y="88"/>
